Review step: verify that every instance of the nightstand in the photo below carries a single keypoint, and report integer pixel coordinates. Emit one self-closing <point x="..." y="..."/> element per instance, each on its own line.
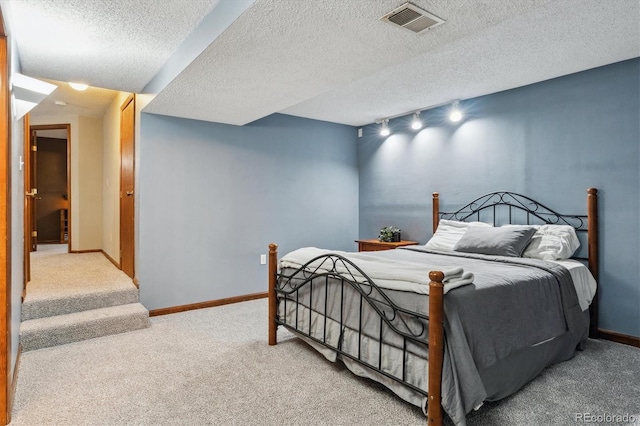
<point x="375" y="245"/>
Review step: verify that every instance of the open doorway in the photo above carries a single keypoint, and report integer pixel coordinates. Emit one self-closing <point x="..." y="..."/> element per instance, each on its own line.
<point x="49" y="173"/>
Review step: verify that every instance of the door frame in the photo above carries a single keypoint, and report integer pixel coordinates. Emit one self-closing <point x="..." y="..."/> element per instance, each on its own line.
<point x="6" y="385"/>
<point x="61" y="126"/>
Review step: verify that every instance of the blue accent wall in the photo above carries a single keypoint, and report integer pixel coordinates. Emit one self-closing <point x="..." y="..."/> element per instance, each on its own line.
<point x="551" y="141"/>
<point x="213" y="196"/>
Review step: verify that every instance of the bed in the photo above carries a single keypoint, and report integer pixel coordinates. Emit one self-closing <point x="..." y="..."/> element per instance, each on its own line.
<point x="444" y="328"/>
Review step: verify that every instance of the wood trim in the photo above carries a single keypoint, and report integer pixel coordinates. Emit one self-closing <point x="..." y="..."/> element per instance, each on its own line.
<point x="67" y="127"/>
<point x="5" y="232"/>
<point x="27" y="209"/>
<point x="14" y="379"/>
<point x="619" y="337"/>
<point x="209" y="304"/>
<point x="110" y="259"/>
<point x="136" y="282"/>
<point x="85" y="251"/>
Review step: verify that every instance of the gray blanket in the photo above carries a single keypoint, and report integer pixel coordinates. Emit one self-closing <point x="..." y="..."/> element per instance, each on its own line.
<point x="513" y="305"/>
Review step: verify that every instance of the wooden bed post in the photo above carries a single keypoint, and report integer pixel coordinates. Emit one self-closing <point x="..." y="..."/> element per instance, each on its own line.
<point x="273" y="270"/>
<point x="592" y="241"/>
<point x="436" y="346"/>
<point x="436" y="210"/>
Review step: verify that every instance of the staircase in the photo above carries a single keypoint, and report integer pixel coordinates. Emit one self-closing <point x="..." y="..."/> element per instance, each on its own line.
<point x="92" y="299"/>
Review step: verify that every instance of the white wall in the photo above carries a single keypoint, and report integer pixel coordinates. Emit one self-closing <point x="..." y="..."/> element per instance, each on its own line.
<point x="90" y="183"/>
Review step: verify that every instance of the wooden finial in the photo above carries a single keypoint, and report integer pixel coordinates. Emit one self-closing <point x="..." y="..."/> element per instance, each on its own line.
<point x="436" y="276"/>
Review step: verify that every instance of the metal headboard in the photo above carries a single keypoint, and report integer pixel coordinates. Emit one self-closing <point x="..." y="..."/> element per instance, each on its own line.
<point x="494" y="205"/>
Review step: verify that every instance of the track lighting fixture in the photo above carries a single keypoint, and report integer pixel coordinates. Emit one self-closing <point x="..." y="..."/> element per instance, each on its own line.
<point x="455" y="114"/>
<point x="384" y="129"/>
<point x="416" y="123"/>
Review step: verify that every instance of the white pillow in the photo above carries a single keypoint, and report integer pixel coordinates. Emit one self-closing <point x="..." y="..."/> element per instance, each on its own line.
<point x="449" y="233"/>
<point x="552" y="242"/>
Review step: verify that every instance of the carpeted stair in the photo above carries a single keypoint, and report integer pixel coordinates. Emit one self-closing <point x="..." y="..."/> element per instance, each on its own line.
<point x="57" y="319"/>
<point x="77" y="296"/>
<point x="72" y="327"/>
<point x="48" y="305"/>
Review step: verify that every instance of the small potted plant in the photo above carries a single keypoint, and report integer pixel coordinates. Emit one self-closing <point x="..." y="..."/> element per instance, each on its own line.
<point x="389" y="234"/>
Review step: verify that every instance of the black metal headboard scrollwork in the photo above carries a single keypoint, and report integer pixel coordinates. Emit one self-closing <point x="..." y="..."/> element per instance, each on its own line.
<point x="504" y="207"/>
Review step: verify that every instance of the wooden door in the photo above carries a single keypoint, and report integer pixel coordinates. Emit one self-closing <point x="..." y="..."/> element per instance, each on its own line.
<point x="127" y="196"/>
<point x="32" y="191"/>
<point x="27" y="205"/>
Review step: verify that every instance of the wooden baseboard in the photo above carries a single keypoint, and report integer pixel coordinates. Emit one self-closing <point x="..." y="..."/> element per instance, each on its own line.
<point x="619" y="337"/>
<point x="136" y="282"/>
<point x="14" y="383"/>
<point x="117" y="265"/>
<point x="85" y="251"/>
<point x="209" y="304"/>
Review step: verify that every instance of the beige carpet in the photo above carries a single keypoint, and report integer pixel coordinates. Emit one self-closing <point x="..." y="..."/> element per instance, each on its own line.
<point x="56" y="273"/>
<point x="214" y="367"/>
<point x="73" y="297"/>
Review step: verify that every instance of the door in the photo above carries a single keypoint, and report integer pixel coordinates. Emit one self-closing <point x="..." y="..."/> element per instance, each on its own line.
<point x="32" y="194"/>
<point x="27" y="205"/>
<point x="127" y="197"/>
<point x="52" y="197"/>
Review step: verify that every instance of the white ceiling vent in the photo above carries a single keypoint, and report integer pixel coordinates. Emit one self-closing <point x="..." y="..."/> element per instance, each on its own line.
<point x="412" y="18"/>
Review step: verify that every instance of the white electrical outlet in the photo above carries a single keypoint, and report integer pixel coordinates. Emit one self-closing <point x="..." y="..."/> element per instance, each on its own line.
<point x="263" y="259"/>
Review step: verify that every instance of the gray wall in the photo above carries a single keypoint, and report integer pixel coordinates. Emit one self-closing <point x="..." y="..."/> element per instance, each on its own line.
<point x="213" y="196"/>
<point x="551" y="141"/>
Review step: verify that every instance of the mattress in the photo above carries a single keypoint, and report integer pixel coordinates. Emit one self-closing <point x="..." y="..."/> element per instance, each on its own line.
<point x="501" y="331"/>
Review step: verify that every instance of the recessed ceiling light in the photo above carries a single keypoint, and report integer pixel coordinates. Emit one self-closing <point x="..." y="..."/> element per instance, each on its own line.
<point x="79" y="86"/>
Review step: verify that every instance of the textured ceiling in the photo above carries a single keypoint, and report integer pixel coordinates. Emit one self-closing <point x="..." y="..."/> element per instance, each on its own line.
<point x="336" y="61"/>
<point x="92" y="102"/>
<point x="331" y="60"/>
<point x="115" y="44"/>
<point x="556" y="39"/>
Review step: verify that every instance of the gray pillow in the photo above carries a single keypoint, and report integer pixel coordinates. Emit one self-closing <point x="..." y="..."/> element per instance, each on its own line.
<point x="509" y="241"/>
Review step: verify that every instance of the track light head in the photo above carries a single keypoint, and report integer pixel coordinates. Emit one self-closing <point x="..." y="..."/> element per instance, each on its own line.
<point x="455" y="114"/>
<point x="384" y="129"/>
<point x="416" y="123"/>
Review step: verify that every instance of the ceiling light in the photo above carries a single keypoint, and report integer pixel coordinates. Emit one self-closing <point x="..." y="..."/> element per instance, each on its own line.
<point x="455" y="114"/>
<point x="60" y="103"/>
<point x="416" y="124"/>
<point x="79" y="86"/>
<point x="384" y="130"/>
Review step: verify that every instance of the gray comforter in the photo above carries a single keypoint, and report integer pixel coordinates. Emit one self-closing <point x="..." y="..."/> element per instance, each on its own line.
<point x="496" y="329"/>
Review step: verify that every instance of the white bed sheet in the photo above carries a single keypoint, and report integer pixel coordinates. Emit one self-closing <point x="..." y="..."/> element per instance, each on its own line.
<point x="583" y="281"/>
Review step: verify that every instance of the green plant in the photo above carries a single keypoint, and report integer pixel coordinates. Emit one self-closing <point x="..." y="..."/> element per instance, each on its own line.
<point x="389" y="234"/>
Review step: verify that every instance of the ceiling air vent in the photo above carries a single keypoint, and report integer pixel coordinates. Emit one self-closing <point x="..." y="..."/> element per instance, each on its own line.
<point x="412" y="18"/>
